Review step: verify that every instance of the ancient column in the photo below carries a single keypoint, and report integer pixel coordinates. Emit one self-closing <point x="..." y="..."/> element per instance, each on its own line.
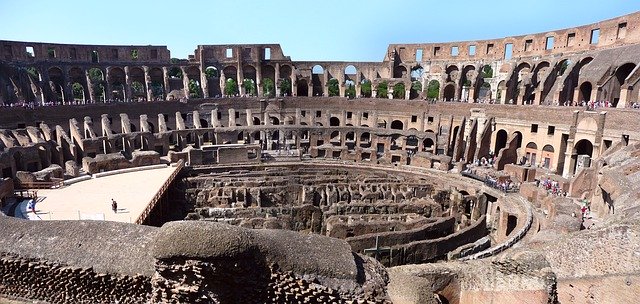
<point x="325" y="84"/>
<point x="167" y="86"/>
<point x="185" y="81"/>
<point x="232" y="117"/>
<point x="127" y="87"/>
<point x="259" y="80"/>
<point x="276" y="81"/>
<point x="407" y="93"/>
<point x="240" y="77"/>
<point x="204" y="82"/>
<point x="89" y="86"/>
<point x="148" y="86"/>
<point x="109" y="88"/>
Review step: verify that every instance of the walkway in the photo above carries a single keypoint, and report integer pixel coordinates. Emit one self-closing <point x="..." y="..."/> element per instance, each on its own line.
<point x="91" y="199"/>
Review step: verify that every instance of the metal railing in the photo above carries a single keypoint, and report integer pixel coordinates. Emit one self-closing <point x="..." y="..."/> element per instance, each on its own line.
<point x="54" y="183"/>
<point x="156" y="198"/>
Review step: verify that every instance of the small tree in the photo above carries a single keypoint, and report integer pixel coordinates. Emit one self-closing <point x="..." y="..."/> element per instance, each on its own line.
<point x="350" y="91"/>
<point x="249" y="87"/>
<point x="399" y="91"/>
<point x="194" y="89"/>
<point x="268" y="87"/>
<point x="211" y="72"/>
<point x="78" y="90"/>
<point x="334" y="90"/>
<point x="365" y="88"/>
<point x="382" y="90"/>
<point x="487" y="71"/>
<point x="231" y="87"/>
<point x="433" y="90"/>
<point x="285" y="86"/>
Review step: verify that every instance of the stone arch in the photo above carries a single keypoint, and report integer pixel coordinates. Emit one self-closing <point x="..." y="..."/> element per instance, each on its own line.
<point x="350" y="72"/>
<point x="397" y="125"/>
<point x="433" y="90"/>
<point x="619" y="80"/>
<point x="334" y="122"/>
<point x="428" y="144"/>
<point x="584" y="94"/>
<point x="138" y="83"/>
<point x="317" y="80"/>
<point x="548" y="152"/>
<point x="518" y="137"/>
<point x="467" y="80"/>
<point x="230" y="72"/>
<point x="250" y="82"/>
<point x="302" y="87"/>
<point x="501" y="141"/>
<point x="56" y="83"/>
<point x="157" y="88"/>
<point x="117" y="80"/>
<point x="582" y="147"/>
<point x="399" y="71"/>
<point x="449" y="93"/>
<point x="572" y="80"/>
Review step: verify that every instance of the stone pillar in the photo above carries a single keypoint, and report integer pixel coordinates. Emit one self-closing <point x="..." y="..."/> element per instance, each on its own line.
<point x="276" y="81"/>
<point x="472" y="92"/>
<point x="298" y="116"/>
<point x="232" y="117"/>
<point x="204" y="82"/>
<point x="266" y="120"/>
<point x="569" y="160"/>
<point x="215" y="123"/>
<point x="127" y="87"/>
<point x="108" y="88"/>
<point x="185" y="81"/>
<point x="167" y="84"/>
<point x="624" y="96"/>
<point x="325" y="83"/>
<point x="249" y="114"/>
<point x="294" y="87"/>
<point x="240" y="77"/>
<point x="147" y="83"/>
<point x="538" y="98"/>
<point x="389" y="92"/>
<point x="89" y="86"/>
<point x="358" y="90"/>
<point x="407" y="94"/>
<point x="259" y="80"/>
<point x="374" y="92"/>
<point x="310" y="89"/>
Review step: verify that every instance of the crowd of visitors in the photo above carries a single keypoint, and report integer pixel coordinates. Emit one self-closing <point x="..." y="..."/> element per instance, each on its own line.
<point x="553" y="187"/>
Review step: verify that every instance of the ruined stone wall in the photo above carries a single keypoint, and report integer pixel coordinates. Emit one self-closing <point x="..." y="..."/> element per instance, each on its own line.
<point x="59" y="283"/>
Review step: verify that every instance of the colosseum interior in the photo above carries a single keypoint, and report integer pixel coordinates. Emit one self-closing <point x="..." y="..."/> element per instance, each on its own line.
<point x="489" y="171"/>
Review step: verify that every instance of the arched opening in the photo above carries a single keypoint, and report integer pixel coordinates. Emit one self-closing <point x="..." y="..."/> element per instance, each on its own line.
<point x="365" y="88"/>
<point x="78" y="92"/>
<point x="585" y="91"/>
<point x="274" y="120"/>
<point x="302" y="88"/>
<point x="382" y="90"/>
<point x="547" y="156"/>
<point x="56" y="83"/>
<point x="416" y="73"/>
<point x="230" y="87"/>
<point x="138" y="88"/>
<point x="501" y="141"/>
<point x="284" y="83"/>
<point x="397" y="125"/>
<point x="157" y="84"/>
<point x="440" y="299"/>
<point x="428" y="144"/>
<point x="512" y="223"/>
<point x="399" y="72"/>
<point x="433" y="90"/>
<point x="250" y="81"/>
<point x="583" y="153"/>
<point x="334" y="122"/>
<point x="531" y="153"/>
<point x="412" y="141"/>
<point x="350" y="89"/>
<point x="333" y="87"/>
<point x="454" y="138"/>
<point x="621" y="75"/>
<point x="416" y="90"/>
<point x="317" y="80"/>
<point x="96" y="77"/>
<point x="240" y="137"/>
<point x="117" y="79"/>
<point x="256" y="121"/>
<point x="518" y="137"/>
<point x="449" y="92"/>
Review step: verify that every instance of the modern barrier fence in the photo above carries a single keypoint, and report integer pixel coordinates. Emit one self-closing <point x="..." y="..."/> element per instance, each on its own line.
<point x="156" y="198"/>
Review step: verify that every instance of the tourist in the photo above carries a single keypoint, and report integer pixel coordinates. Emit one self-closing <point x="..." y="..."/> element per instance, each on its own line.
<point x="114" y="206"/>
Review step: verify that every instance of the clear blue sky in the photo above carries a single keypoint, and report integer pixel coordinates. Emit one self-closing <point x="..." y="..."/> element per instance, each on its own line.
<point x="337" y="30"/>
